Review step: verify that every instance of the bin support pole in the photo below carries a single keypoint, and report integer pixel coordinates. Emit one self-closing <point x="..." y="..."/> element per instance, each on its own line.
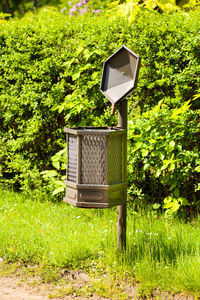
<point x="122" y="209"/>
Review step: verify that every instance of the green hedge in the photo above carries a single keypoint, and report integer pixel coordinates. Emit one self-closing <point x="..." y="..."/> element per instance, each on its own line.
<point x="50" y="71"/>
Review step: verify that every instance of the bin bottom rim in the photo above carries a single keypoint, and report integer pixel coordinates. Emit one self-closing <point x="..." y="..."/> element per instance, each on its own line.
<point x="90" y="204"/>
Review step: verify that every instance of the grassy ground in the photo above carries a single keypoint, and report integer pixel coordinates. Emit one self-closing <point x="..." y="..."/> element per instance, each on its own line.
<point x="161" y="253"/>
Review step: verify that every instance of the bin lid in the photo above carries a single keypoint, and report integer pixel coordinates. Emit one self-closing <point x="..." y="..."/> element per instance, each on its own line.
<point x="120" y="73"/>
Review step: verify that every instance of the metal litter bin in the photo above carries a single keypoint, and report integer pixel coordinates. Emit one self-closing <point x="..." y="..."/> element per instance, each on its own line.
<point x="95" y="167"/>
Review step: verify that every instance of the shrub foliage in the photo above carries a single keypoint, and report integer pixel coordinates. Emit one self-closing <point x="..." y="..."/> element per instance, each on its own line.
<point x="50" y="71"/>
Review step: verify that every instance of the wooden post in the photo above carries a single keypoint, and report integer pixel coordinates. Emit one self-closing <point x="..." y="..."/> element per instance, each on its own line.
<point x="122" y="209"/>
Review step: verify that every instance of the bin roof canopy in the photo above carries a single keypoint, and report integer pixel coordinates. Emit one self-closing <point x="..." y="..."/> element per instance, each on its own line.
<point x="119" y="76"/>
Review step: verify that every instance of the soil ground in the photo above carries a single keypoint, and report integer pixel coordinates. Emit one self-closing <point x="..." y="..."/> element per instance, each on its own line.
<point x="18" y="284"/>
<point x="12" y="288"/>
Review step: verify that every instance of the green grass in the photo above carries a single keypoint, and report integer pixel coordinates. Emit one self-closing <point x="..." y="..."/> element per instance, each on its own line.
<point x="161" y="253"/>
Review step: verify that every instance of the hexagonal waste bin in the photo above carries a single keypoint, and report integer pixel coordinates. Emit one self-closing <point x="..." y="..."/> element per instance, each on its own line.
<point x="95" y="167"/>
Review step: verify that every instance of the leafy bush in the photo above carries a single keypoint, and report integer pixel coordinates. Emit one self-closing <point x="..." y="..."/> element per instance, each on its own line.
<point x="130" y="8"/>
<point x="20" y="7"/>
<point x="164" y="158"/>
<point x="50" y="71"/>
<point x="46" y="83"/>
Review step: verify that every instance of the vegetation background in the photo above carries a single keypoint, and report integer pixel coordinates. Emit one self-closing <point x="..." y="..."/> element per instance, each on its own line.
<point x="20" y="7"/>
<point x="50" y="70"/>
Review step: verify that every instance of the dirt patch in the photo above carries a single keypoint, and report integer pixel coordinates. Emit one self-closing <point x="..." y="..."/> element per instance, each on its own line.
<point x="73" y="286"/>
<point x="19" y="284"/>
<point x="13" y="289"/>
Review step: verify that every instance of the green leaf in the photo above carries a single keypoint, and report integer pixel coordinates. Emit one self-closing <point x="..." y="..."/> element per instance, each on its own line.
<point x="197" y="169"/>
<point x="166" y="179"/>
<point x="87" y="54"/>
<point x="168" y="205"/>
<point x="173" y="184"/>
<point x="158" y="172"/>
<point x="58" y="190"/>
<point x="59" y="183"/>
<point x="168" y="199"/>
<point x="175" y="206"/>
<point x="137" y="147"/>
<point x="146" y="166"/>
<point x="78" y="51"/>
<point x="171" y="144"/>
<point x="94" y="75"/>
<point x="197" y="187"/>
<point x="49" y="173"/>
<point x="183" y="201"/>
<point x="161" y="155"/>
<point x="76" y="75"/>
<point x="56" y="164"/>
<point x="176" y="192"/>
<point x="178" y="112"/>
<point x="172" y="167"/>
<point x="144" y="152"/>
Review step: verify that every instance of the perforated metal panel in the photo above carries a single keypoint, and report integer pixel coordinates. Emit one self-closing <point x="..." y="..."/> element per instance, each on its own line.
<point x="72" y="158"/>
<point x="93" y="159"/>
